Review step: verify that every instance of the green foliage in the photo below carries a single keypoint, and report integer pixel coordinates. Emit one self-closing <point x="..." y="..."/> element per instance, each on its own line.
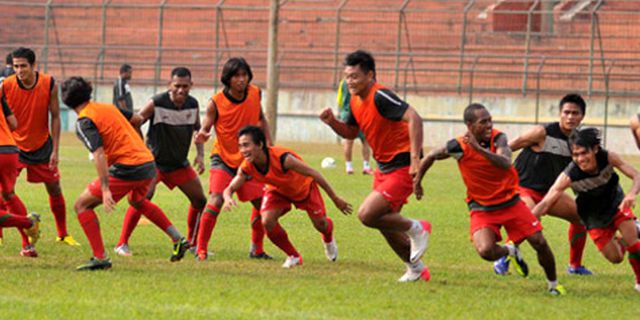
<point x="360" y="285"/>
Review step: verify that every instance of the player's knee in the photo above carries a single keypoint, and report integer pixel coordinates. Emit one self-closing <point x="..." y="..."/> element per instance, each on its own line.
<point x="269" y="223"/>
<point x="79" y="207"/>
<point x="365" y="217"/>
<point x="216" y="200"/>
<point x="537" y="241"/>
<point x="486" y="252"/>
<point x="53" y="188"/>
<point x="199" y="202"/>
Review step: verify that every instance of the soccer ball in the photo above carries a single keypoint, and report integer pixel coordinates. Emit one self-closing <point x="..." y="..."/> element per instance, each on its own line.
<point x="328" y="163"/>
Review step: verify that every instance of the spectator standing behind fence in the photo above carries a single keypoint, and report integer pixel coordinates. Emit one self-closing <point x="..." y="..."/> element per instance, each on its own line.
<point x="344" y="108"/>
<point x="121" y="89"/>
<point x="8" y="68"/>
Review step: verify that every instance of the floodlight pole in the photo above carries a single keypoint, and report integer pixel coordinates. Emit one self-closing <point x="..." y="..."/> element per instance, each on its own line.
<point x="272" y="70"/>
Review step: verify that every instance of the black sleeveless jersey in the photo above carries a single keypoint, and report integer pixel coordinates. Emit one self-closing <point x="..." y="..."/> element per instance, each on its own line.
<point x="539" y="170"/>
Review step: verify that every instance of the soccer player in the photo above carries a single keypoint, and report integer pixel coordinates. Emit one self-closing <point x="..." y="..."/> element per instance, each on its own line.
<point x="33" y="98"/>
<point x="27" y="225"/>
<point x="236" y="106"/>
<point x="545" y="154"/>
<point x="125" y="168"/>
<point x="121" y="90"/>
<point x="173" y="118"/>
<point x="394" y="132"/>
<point x="344" y="99"/>
<point x="289" y="181"/>
<point x="484" y="160"/>
<point x="602" y="205"/>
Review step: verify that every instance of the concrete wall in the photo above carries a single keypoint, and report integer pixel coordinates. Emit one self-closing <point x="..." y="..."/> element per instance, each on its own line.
<point x="298" y="110"/>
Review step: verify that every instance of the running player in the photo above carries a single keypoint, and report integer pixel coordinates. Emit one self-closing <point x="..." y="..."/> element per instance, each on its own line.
<point x="33" y="97"/>
<point x="602" y="205"/>
<point x="125" y="168"/>
<point x="394" y="132"/>
<point x="236" y="106"/>
<point x="484" y="160"/>
<point x="544" y="156"/>
<point x="173" y="118"/>
<point x="289" y="181"/>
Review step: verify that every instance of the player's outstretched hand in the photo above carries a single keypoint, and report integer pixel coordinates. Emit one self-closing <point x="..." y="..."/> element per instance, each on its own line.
<point x="417" y="190"/>
<point x="327" y="116"/>
<point x="201" y="137"/>
<point x="53" y="161"/>
<point x="629" y="202"/>
<point x="229" y="202"/>
<point x="107" y="201"/>
<point x="471" y="140"/>
<point x="198" y="163"/>
<point x="344" y="206"/>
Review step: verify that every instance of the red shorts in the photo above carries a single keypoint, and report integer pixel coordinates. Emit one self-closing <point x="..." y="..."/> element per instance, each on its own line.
<point x="313" y="203"/>
<point x="395" y="186"/>
<point x="136" y="189"/>
<point x="37" y="173"/>
<point x="536" y="196"/>
<point x="176" y="177"/>
<point x="602" y="236"/>
<point x="516" y="219"/>
<point x="8" y="171"/>
<point x="220" y="180"/>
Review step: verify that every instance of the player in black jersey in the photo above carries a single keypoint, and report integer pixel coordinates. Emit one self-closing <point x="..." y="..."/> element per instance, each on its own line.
<point x="173" y="118"/>
<point x="545" y="154"/>
<point x="602" y="205"/>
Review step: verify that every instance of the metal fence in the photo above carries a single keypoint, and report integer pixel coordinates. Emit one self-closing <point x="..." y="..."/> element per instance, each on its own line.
<point x="450" y="47"/>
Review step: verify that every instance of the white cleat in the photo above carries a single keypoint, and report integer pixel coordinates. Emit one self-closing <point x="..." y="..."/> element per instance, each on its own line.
<point x="291" y="262"/>
<point x="331" y="250"/>
<point x="637" y="287"/>
<point x="415" y="273"/>
<point x="123" y="250"/>
<point x="420" y="242"/>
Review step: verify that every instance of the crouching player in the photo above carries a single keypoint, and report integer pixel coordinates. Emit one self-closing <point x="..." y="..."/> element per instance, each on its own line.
<point x="289" y="181"/>
<point x="484" y="160"/>
<point x="602" y="205"/>
<point x="125" y="167"/>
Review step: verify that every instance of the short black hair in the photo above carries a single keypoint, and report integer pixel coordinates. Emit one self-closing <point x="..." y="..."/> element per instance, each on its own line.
<point x="125" y="68"/>
<point x="26" y="53"/>
<point x="363" y="59"/>
<point x="575" y="99"/>
<point x="75" y="91"/>
<point x="587" y="137"/>
<point x="9" y="59"/>
<point x="232" y="67"/>
<point x="181" y="72"/>
<point x="257" y="136"/>
<point x="469" y="114"/>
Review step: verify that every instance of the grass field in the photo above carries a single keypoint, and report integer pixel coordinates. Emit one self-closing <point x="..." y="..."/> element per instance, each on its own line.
<point x="360" y="285"/>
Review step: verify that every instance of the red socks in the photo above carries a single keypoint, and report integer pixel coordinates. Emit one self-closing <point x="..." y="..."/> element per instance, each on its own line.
<point x="207" y="224"/>
<point x="15" y="206"/>
<point x="60" y="213"/>
<point x="89" y="222"/>
<point x="129" y="224"/>
<point x="280" y="238"/>
<point x="155" y="215"/>
<point x="11" y="220"/>
<point x="634" y="259"/>
<point x="327" y="235"/>
<point x="577" y="241"/>
<point x="257" y="232"/>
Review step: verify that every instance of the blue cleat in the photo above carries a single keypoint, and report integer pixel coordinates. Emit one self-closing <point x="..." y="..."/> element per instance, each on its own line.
<point x="501" y="266"/>
<point x="581" y="271"/>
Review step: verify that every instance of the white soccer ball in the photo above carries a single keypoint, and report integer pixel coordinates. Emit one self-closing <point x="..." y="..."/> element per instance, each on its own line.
<point x="328" y="163"/>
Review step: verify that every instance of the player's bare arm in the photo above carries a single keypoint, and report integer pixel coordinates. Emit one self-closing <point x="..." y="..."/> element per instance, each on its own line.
<point x="557" y="189"/>
<point x="54" y="110"/>
<point x="12" y="122"/>
<point x="426" y="163"/>
<point x="629" y="200"/>
<point x="228" y="192"/>
<point x="501" y="158"/>
<point x="342" y="129"/>
<point x="198" y="162"/>
<point x="210" y="117"/>
<point x="635" y="129"/>
<point x="415" y="137"/>
<point x="533" y="138"/>
<point x="102" y="168"/>
<point x="292" y="163"/>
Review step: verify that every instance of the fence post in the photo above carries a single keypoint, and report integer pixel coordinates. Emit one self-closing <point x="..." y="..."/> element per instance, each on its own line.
<point x="45" y="49"/>
<point x="156" y="76"/>
<point x="606" y="103"/>
<point x="463" y="41"/>
<point x="336" y="49"/>
<point x="272" y="69"/>
<point x="540" y="66"/>
<point x="103" y="42"/>
<point x="471" y="75"/>
<point x="594" y="17"/>
<point x="217" y="41"/>
<point x="527" y="47"/>
<point x="399" y="43"/>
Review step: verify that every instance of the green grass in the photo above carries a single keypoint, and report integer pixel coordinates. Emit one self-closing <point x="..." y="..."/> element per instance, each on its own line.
<point x="360" y="285"/>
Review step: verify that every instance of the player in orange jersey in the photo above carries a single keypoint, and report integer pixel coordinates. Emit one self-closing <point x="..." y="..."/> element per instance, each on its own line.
<point x="236" y="106"/>
<point x="125" y="168"/>
<point x="484" y="160"/>
<point x="33" y="97"/>
<point x="289" y="181"/>
<point x="394" y="132"/>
